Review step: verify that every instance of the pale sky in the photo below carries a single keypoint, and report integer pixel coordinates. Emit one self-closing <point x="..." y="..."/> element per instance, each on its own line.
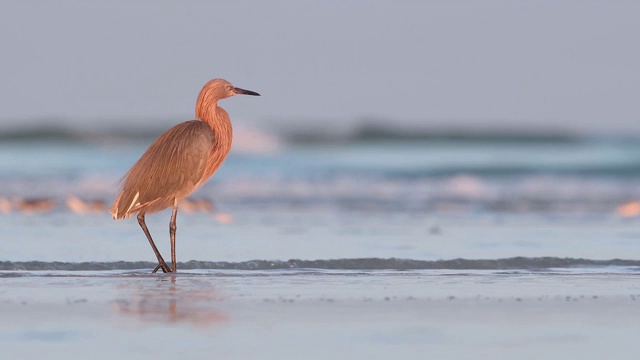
<point x="569" y="64"/>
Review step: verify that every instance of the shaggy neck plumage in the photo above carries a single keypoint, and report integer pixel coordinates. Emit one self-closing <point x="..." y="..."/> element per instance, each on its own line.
<point x="208" y="111"/>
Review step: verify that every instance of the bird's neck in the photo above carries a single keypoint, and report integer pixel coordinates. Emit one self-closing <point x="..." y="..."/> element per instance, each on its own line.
<point x="206" y="111"/>
<point x="214" y="116"/>
<point x="218" y="120"/>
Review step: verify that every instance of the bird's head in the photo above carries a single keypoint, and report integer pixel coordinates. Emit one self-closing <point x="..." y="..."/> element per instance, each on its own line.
<point x="218" y="89"/>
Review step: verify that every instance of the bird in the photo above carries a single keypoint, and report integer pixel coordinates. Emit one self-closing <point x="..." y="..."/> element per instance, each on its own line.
<point x="177" y="163"/>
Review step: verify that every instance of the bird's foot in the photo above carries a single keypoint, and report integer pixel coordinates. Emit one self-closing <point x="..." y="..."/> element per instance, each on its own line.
<point x="163" y="266"/>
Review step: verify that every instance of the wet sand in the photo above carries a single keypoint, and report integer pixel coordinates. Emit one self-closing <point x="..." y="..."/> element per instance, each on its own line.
<point x="320" y="314"/>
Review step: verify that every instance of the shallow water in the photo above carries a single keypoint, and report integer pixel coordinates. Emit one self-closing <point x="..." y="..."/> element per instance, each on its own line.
<point x="321" y="314"/>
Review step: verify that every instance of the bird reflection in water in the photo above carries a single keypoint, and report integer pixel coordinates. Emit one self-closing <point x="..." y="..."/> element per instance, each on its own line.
<point x="163" y="301"/>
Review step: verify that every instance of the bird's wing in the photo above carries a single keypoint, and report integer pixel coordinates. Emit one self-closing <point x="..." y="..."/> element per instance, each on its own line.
<point x="170" y="169"/>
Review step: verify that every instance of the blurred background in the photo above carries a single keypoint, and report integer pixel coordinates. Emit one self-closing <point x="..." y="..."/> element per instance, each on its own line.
<point x="403" y="115"/>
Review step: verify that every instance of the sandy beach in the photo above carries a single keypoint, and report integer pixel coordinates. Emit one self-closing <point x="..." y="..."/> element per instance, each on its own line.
<point x="320" y="314"/>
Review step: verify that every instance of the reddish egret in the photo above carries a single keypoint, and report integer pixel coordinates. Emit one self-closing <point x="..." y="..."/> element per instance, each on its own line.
<point x="177" y="163"/>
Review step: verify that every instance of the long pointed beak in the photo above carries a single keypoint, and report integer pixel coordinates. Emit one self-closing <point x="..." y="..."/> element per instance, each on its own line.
<point x="245" y="92"/>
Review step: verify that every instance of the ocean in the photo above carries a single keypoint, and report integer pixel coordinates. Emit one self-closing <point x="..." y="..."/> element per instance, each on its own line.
<point x="368" y="244"/>
<point x="369" y="194"/>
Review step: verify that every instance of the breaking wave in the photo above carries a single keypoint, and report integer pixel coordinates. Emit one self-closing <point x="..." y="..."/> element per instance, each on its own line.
<point x="435" y="171"/>
<point x="515" y="263"/>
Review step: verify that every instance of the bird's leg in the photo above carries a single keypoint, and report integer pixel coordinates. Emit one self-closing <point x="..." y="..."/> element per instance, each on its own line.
<point x="161" y="264"/>
<point x="172" y="235"/>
